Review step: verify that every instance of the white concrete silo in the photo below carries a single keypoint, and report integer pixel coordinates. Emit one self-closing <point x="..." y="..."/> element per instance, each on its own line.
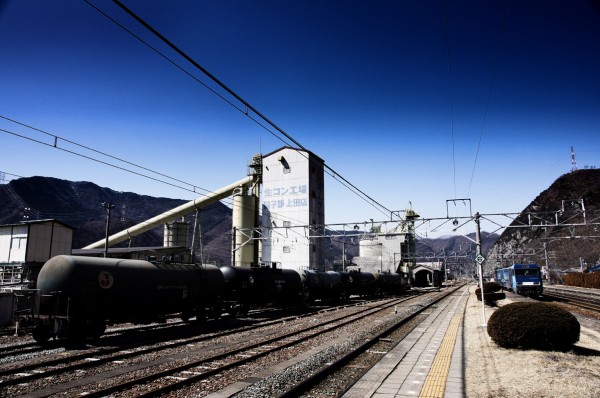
<point x="243" y="222"/>
<point x="176" y="234"/>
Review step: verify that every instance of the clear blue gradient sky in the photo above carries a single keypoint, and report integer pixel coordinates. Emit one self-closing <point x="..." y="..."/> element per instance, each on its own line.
<point x="369" y="86"/>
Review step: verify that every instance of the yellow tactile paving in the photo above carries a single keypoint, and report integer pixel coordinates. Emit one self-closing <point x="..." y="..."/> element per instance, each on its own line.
<point x="435" y="383"/>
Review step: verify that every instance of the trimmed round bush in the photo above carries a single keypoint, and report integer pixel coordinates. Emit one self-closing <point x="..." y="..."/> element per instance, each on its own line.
<point x="533" y="325"/>
<point x="491" y="287"/>
<point x="488" y="287"/>
<point x="491" y="298"/>
<point x="490" y="294"/>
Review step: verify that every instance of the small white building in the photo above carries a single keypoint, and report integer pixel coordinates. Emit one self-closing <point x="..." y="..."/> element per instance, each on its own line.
<point x="293" y="209"/>
<point x="25" y="247"/>
<point x="34" y="241"/>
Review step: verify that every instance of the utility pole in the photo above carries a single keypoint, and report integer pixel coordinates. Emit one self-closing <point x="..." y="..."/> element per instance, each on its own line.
<point x="344" y="249"/>
<point x="546" y="256"/>
<point x="381" y="259"/>
<point x="479" y="259"/>
<point x="108" y="206"/>
<point x="197" y="227"/>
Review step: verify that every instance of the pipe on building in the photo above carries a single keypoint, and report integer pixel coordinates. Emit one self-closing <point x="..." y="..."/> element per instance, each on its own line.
<point x="172" y="214"/>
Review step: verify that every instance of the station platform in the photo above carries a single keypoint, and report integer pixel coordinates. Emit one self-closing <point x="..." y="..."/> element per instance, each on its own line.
<point x="428" y="363"/>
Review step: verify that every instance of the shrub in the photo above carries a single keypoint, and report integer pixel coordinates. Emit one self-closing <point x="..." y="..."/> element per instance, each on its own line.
<point x="490" y="298"/>
<point x="533" y="325"/>
<point x="491" y="287"/>
<point x="489" y="293"/>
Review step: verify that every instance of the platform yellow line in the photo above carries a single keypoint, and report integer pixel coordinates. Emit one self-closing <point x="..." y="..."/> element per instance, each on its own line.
<point x="435" y="383"/>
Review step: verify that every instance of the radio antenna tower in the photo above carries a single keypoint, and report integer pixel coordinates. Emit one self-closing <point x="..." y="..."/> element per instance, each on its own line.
<point x="573" y="161"/>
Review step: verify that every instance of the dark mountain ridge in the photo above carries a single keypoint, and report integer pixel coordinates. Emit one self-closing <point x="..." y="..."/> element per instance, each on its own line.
<point x="560" y="227"/>
<point x="78" y="204"/>
<point x="535" y="235"/>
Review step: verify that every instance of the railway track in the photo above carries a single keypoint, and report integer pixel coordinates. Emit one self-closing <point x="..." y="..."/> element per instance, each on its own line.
<point x="336" y="377"/>
<point x="121" y="335"/>
<point x="173" y="379"/>
<point x="31" y="349"/>
<point x="588" y="303"/>
<point x="26" y="378"/>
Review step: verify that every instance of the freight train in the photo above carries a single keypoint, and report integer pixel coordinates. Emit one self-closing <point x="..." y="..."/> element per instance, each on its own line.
<point x="525" y="279"/>
<point x="79" y="296"/>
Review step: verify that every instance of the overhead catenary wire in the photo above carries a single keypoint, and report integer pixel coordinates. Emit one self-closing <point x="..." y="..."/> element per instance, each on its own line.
<point x="244" y="111"/>
<point x="182" y="69"/>
<point x="489" y="96"/>
<point x="247" y="106"/>
<point x="182" y="184"/>
<point x="56" y="145"/>
<point x="5" y="173"/>
<point x="74" y="216"/>
<point x="450" y="94"/>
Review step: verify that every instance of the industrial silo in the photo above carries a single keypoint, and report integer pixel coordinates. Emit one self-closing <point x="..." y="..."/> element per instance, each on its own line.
<point x="244" y="222"/>
<point x="176" y="234"/>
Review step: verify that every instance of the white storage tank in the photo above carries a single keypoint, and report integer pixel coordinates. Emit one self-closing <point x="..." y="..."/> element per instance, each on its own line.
<point x="243" y="220"/>
<point x="176" y="234"/>
<point x="370" y="248"/>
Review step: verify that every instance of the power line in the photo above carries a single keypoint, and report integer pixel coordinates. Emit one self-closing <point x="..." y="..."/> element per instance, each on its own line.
<point x="56" y="144"/>
<point x="57" y="139"/>
<point x="244" y="111"/>
<point x="205" y="71"/>
<point x="487" y="103"/>
<point x="450" y="95"/>
<point x="247" y="105"/>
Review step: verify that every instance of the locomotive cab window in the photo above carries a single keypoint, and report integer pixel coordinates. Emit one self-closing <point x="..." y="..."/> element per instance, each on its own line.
<point x="527" y="272"/>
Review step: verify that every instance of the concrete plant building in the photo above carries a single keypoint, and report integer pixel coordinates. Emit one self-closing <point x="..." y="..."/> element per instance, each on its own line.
<point x="293" y="209"/>
<point x="381" y="252"/>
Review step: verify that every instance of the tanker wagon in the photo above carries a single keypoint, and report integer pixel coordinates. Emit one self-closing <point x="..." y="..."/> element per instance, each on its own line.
<point x="80" y="296"/>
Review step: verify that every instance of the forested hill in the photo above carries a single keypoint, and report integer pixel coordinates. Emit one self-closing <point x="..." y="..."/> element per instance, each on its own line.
<point x="560" y="226"/>
<point x="78" y="204"/>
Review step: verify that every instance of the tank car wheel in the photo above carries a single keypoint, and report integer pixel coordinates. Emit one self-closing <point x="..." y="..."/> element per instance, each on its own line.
<point x="200" y="316"/>
<point x="76" y="331"/>
<point x="186" y="316"/>
<point x="40" y="333"/>
<point x="95" y="329"/>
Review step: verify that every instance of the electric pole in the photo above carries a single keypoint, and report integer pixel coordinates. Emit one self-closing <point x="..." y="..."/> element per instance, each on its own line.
<point x="479" y="258"/>
<point x="108" y="206"/>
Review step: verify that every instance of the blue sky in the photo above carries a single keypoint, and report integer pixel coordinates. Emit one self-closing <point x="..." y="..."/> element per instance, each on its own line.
<point x="369" y="86"/>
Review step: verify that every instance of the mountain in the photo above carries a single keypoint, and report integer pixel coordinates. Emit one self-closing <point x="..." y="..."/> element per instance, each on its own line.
<point x="560" y="227"/>
<point x="456" y="244"/>
<point x="78" y="204"/>
<point x="457" y="252"/>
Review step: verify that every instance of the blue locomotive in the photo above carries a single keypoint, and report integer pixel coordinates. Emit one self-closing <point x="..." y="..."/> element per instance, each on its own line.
<point x="79" y="296"/>
<point x="525" y="279"/>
